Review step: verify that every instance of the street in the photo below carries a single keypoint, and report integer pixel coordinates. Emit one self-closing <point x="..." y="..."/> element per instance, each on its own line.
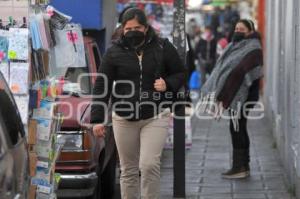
<point x="209" y="157"/>
<point x="67" y="68"/>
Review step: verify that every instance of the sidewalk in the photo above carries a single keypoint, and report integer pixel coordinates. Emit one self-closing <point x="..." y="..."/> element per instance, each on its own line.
<point x="209" y="156"/>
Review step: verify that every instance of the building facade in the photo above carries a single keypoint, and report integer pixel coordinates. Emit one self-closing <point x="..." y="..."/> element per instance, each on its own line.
<point x="282" y="82"/>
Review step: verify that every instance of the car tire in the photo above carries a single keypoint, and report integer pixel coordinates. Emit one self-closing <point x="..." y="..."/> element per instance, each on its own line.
<point x="108" y="177"/>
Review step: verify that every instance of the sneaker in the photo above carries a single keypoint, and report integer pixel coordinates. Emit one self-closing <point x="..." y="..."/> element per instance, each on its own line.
<point x="236" y="173"/>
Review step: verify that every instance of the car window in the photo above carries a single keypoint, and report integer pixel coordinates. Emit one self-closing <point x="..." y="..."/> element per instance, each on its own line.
<point x="79" y="75"/>
<point x="9" y="113"/>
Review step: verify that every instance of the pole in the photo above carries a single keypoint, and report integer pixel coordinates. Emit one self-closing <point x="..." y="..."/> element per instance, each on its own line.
<point x="179" y="40"/>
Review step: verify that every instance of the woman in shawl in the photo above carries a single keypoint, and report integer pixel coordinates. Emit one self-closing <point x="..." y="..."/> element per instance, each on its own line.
<point x="234" y="86"/>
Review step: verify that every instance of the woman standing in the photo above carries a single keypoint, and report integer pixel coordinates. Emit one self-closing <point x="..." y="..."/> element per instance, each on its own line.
<point x="234" y="85"/>
<point x="145" y="70"/>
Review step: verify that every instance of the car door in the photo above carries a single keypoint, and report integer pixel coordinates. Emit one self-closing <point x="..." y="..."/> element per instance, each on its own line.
<point x="7" y="182"/>
<point x="16" y="140"/>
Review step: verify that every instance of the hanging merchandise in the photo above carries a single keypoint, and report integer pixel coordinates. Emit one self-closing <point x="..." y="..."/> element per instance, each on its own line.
<point x="39" y="2"/>
<point x="22" y="104"/>
<point x="38" y="33"/>
<point x="40" y="65"/>
<point x="14" y="57"/>
<point x="19" y="77"/>
<point x="26" y="70"/>
<point x="20" y="94"/>
<point x="4" y="68"/>
<point x="35" y="36"/>
<point x="69" y="49"/>
<point x="58" y="19"/>
<point x="3" y="45"/>
<point x="57" y="49"/>
<point x="42" y="38"/>
<point x="44" y="123"/>
<point x="40" y="62"/>
<point x="42" y="138"/>
<point x="18" y="44"/>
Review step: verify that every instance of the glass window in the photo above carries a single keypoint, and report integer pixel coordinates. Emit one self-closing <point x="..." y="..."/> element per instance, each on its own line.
<point x="73" y="75"/>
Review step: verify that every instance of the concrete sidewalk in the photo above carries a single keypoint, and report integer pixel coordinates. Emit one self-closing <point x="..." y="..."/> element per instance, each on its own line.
<point x="209" y="156"/>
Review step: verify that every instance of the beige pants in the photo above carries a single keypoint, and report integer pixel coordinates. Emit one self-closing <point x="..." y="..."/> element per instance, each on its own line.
<point x="140" y="145"/>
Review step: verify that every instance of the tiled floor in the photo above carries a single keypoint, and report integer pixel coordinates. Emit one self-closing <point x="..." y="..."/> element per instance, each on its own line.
<point x="209" y="156"/>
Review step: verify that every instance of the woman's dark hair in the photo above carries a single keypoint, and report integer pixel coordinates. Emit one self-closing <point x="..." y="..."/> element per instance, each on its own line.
<point x="248" y="23"/>
<point x="122" y="13"/>
<point x="134" y="13"/>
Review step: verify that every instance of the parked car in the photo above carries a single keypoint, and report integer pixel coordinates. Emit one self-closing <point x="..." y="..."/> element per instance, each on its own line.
<point x="14" y="168"/>
<point x="87" y="164"/>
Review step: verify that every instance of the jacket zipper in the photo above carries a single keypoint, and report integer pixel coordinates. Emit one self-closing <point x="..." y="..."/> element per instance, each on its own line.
<point x="140" y="58"/>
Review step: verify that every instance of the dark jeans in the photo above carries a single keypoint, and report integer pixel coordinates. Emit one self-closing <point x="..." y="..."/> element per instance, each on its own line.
<point x="240" y="139"/>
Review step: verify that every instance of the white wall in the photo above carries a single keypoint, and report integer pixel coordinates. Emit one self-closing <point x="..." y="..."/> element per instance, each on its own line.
<point x="282" y="90"/>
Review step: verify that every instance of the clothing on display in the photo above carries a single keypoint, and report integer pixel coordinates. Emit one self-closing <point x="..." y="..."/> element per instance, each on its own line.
<point x="69" y="49"/>
<point x="14" y="54"/>
<point x="4" y="68"/>
<point x="22" y="104"/>
<point x="41" y="32"/>
<point x="35" y="37"/>
<point x="58" y="19"/>
<point x="3" y="45"/>
<point x="24" y="62"/>
<point x="18" y="44"/>
<point x="19" y="77"/>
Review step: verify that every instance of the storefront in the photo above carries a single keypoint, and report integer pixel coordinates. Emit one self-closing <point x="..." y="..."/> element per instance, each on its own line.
<point x="98" y="16"/>
<point x="45" y="59"/>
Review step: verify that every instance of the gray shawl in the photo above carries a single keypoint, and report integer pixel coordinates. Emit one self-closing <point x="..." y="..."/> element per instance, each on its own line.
<point x="232" y="56"/>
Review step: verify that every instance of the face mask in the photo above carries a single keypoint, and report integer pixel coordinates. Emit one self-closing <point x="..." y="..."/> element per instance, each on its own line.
<point x="238" y="36"/>
<point x="134" y="38"/>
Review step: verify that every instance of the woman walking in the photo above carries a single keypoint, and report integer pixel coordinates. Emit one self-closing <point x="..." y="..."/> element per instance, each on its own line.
<point x="234" y="85"/>
<point x="144" y="68"/>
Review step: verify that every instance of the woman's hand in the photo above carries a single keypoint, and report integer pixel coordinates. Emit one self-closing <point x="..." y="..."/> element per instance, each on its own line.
<point x="160" y="85"/>
<point x="99" y="130"/>
<point x="220" y="110"/>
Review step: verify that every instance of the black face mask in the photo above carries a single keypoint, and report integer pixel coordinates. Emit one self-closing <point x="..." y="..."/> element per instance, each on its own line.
<point x="134" y="38"/>
<point x="238" y="36"/>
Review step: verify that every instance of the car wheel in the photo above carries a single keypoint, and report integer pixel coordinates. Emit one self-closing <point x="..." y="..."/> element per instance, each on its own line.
<point x="108" y="178"/>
